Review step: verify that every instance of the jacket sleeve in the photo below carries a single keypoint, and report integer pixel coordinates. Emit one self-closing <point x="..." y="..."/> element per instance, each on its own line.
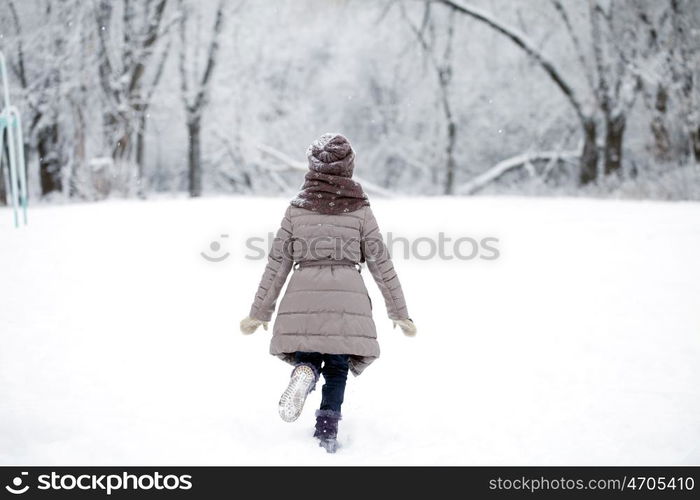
<point x="279" y="263"/>
<point x="379" y="264"/>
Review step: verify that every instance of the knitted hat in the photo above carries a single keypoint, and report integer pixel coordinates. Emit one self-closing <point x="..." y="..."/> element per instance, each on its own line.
<point x="331" y="154"/>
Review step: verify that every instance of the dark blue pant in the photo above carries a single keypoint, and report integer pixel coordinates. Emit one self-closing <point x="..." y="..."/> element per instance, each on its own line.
<point x="335" y="373"/>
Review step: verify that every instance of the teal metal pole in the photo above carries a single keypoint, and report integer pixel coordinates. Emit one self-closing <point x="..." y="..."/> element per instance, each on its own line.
<point x="21" y="166"/>
<point x="13" y="174"/>
<point x="2" y="142"/>
<point x="10" y="139"/>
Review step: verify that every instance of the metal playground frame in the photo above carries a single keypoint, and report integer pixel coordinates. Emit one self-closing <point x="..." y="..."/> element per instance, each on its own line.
<point x="11" y="127"/>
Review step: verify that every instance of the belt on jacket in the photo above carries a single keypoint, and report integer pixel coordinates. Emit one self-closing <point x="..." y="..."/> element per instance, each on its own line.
<point x="327" y="262"/>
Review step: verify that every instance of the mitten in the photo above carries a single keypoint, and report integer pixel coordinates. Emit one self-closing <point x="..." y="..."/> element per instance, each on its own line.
<point x="407" y="326"/>
<point x="249" y="325"/>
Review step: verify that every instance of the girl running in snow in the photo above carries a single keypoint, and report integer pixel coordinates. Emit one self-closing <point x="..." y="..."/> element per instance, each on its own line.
<point x="324" y="324"/>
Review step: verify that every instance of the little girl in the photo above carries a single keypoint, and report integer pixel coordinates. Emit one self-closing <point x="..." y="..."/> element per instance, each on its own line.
<point x="324" y="324"/>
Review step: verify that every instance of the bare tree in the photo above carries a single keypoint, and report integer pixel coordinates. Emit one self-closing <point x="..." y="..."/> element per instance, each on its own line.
<point x="43" y="70"/>
<point x="661" y="52"/>
<point x="442" y="64"/>
<point x="654" y="83"/>
<point x="617" y="83"/>
<point x="195" y="91"/>
<point x="589" y="155"/>
<point x="684" y="65"/>
<point x="612" y="81"/>
<point x="123" y="60"/>
<point x="143" y="115"/>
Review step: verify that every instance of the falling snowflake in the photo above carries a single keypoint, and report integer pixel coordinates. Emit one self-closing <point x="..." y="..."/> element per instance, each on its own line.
<point x="331" y="204"/>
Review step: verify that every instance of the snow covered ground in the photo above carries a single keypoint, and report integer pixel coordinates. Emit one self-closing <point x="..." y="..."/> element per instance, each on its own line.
<point x="119" y="343"/>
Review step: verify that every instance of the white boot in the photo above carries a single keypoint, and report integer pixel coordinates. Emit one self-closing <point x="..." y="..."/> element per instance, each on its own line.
<point x="301" y="383"/>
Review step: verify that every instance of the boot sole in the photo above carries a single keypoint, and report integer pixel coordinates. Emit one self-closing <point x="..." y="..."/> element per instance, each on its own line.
<point x="293" y="398"/>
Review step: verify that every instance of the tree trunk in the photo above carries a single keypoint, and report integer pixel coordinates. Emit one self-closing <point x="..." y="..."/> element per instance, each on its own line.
<point x="659" y="130"/>
<point x="120" y="151"/>
<point x="589" y="156"/>
<point x="49" y="160"/>
<point x="615" y="131"/>
<point x="140" y="155"/>
<point x="451" y="138"/>
<point x="194" y="158"/>
<point x="3" y="161"/>
<point x="79" y="150"/>
<point x="695" y="142"/>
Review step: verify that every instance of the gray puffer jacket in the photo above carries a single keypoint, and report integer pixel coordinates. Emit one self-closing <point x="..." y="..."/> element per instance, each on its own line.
<point x="326" y="307"/>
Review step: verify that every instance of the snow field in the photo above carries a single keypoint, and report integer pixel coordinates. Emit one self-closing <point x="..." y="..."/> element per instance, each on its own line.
<point x="578" y="345"/>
